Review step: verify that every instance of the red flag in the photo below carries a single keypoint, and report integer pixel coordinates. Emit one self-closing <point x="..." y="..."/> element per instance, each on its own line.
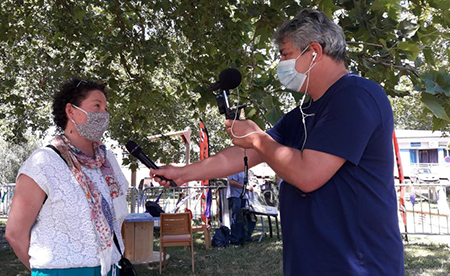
<point x="204" y="146"/>
<point x="401" y="178"/>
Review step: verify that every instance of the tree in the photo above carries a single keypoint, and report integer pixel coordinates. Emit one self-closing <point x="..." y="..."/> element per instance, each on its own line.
<point x="409" y="113"/>
<point x="12" y="156"/>
<point x="158" y="57"/>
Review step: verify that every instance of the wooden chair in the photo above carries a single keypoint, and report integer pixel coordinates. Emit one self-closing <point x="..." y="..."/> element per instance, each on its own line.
<point x="206" y="229"/>
<point x="175" y="230"/>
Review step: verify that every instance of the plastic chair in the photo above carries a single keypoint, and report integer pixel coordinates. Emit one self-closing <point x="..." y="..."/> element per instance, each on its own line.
<point x="175" y="230"/>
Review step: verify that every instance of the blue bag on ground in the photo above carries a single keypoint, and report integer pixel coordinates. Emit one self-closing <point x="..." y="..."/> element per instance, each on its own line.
<point x="221" y="237"/>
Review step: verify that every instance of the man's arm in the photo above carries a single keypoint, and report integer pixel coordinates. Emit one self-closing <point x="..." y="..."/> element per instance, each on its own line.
<point x="227" y="162"/>
<point x="308" y="170"/>
<point x="235" y="184"/>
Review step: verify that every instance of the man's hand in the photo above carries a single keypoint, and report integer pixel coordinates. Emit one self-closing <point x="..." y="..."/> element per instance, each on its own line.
<point x="169" y="172"/>
<point x="244" y="133"/>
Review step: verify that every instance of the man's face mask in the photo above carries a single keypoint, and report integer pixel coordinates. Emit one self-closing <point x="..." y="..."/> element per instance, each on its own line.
<point x="288" y="76"/>
<point x="94" y="127"/>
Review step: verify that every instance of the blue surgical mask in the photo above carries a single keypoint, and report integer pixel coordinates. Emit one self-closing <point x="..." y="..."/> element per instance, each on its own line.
<point x="288" y="75"/>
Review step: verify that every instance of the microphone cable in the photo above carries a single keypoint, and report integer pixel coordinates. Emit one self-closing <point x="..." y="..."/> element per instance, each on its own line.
<point x="234" y="120"/>
<point x="244" y="185"/>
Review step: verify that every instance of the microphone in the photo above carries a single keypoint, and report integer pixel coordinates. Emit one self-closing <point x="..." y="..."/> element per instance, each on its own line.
<point x="228" y="79"/>
<point x="137" y="152"/>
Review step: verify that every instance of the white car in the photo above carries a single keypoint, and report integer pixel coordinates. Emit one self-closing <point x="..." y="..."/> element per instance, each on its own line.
<point x="424" y="176"/>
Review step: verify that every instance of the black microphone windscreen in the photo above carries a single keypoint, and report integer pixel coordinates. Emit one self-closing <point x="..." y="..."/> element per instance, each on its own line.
<point x="229" y="79"/>
<point x="133" y="148"/>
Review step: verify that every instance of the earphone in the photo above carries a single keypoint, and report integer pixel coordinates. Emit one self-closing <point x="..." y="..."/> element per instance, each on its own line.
<point x="303" y="114"/>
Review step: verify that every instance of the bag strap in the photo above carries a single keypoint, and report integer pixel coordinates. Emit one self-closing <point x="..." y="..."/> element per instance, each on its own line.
<point x="117" y="244"/>
<point x="156" y="201"/>
<point x="59" y="153"/>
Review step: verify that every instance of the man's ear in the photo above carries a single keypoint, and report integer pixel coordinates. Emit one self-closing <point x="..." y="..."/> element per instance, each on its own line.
<point x="316" y="49"/>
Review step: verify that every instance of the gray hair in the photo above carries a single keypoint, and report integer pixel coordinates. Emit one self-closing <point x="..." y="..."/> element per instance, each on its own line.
<point x="313" y="26"/>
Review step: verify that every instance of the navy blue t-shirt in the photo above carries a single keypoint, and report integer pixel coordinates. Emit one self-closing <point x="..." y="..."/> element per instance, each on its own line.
<point x="349" y="226"/>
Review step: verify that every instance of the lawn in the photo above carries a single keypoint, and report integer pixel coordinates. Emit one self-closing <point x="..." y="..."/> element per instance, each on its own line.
<point x="424" y="256"/>
<point x="427" y="256"/>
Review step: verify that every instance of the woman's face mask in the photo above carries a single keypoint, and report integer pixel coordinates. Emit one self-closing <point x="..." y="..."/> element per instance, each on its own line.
<point x="288" y="75"/>
<point x="94" y="127"/>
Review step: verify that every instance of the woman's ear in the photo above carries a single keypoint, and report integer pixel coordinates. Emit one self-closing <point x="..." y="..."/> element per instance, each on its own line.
<point x="69" y="111"/>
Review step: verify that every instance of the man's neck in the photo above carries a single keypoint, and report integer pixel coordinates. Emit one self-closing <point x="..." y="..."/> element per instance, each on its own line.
<point x="324" y="77"/>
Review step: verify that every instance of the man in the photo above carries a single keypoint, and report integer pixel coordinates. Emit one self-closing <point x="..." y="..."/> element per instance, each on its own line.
<point x="236" y="204"/>
<point x="334" y="153"/>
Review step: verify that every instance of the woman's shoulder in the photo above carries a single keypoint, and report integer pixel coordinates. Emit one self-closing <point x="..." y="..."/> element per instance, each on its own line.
<point x="43" y="155"/>
<point x="42" y="165"/>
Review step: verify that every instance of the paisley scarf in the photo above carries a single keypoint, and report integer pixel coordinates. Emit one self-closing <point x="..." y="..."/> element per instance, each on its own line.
<point x="101" y="214"/>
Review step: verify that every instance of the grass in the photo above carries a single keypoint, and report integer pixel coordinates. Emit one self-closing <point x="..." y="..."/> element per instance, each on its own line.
<point x="424" y="256"/>
<point x="254" y="259"/>
<point x="427" y="256"/>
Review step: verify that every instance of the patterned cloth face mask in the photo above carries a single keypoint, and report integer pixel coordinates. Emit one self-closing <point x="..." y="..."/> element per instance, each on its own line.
<point x="94" y="127"/>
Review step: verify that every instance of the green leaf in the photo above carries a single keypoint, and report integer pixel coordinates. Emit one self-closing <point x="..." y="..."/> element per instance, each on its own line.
<point x="251" y="113"/>
<point x="273" y="113"/>
<point x="407" y="28"/>
<point x="439" y="123"/>
<point x="429" y="56"/>
<point x="412" y="48"/>
<point x="437" y="82"/>
<point x="435" y="105"/>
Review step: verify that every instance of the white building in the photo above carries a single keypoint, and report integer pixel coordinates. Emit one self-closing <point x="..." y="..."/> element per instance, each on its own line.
<point x="424" y="148"/>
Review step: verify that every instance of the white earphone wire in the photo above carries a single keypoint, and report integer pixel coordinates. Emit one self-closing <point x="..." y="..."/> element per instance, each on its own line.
<point x="234" y="120"/>
<point x="303" y="114"/>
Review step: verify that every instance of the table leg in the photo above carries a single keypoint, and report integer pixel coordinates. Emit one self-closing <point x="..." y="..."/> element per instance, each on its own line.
<point x="270" y="226"/>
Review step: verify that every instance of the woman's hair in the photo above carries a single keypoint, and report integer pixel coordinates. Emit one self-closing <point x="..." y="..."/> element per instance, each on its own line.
<point x="313" y="26"/>
<point x="73" y="91"/>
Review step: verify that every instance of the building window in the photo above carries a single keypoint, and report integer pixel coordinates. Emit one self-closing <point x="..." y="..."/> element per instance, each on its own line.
<point x="413" y="156"/>
<point x="428" y="156"/>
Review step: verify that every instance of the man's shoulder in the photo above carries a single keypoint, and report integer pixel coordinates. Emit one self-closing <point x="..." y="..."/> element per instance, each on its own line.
<point x="353" y="89"/>
<point x="355" y="83"/>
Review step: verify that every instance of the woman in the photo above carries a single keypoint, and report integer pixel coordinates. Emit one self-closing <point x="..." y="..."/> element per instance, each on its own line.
<point x="69" y="200"/>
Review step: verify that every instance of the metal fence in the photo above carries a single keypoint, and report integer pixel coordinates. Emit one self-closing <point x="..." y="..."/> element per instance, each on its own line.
<point x="6" y="194"/>
<point x="180" y="199"/>
<point x="192" y="198"/>
<point x="426" y="209"/>
<point x="208" y="204"/>
<point x="426" y="205"/>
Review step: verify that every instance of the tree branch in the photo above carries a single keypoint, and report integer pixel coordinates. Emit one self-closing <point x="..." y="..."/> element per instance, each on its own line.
<point x="365" y="43"/>
<point x="405" y="67"/>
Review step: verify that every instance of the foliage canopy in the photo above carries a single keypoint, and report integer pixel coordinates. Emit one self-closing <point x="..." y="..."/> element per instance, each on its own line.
<point x="157" y="57"/>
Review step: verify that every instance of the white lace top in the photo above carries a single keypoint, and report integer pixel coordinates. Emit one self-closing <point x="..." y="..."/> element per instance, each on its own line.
<point x="63" y="235"/>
